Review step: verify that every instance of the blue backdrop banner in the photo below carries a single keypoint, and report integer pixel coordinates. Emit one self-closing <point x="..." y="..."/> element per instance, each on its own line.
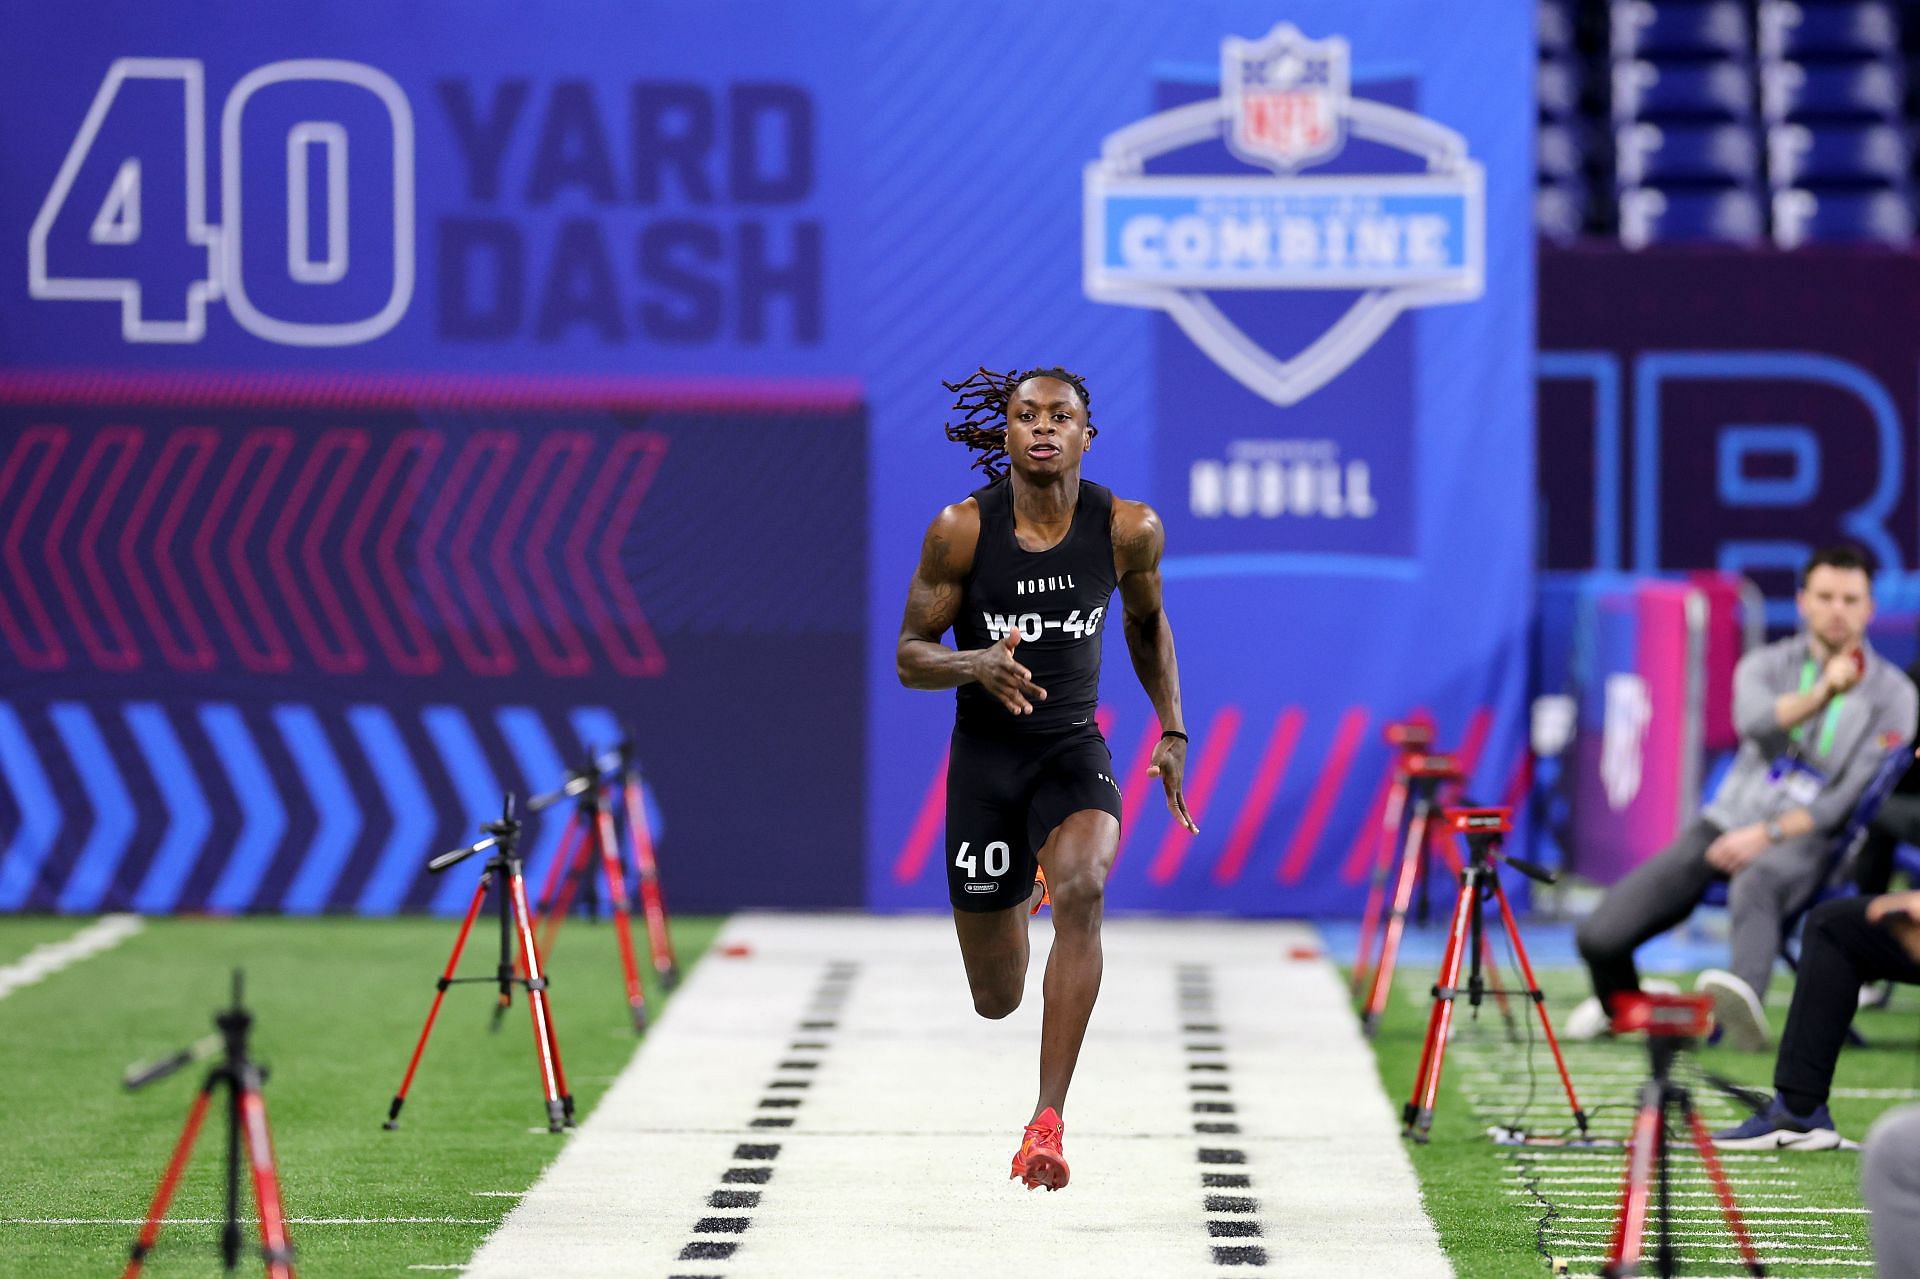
<point x="396" y="400"/>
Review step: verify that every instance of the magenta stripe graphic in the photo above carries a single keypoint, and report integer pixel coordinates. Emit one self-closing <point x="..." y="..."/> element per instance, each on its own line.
<point x="1259" y="801"/>
<point x="1346" y="740"/>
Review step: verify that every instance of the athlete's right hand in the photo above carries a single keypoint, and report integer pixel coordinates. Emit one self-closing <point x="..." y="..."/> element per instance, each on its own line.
<point x="1005" y="678"/>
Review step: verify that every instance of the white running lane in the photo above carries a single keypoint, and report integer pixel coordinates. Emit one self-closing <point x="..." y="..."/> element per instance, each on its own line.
<point x="910" y="1108"/>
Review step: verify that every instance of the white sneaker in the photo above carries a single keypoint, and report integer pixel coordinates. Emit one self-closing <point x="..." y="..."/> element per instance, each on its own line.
<point x="1738" y="1010"/>
<point x="1589" y="1020"/>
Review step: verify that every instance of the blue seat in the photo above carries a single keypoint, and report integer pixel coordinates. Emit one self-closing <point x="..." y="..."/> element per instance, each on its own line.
<point x="1869" y="90"/>
<point x="1802" y="216"/>
<point x="1680" y="28"/>
<point x="1649" y="215"/>
<point x="1555" y="27"/>
<point x="1703" y="92"/>
<point x="1840" y="850"/>
<point x="1560" y="150"/>
<point x="1557" y="85"/>
<point x="1863" y="155"/>
<point x="1664" y="155"/>
<point x="1560" y="210"/>
<point x="1866" y="28"/>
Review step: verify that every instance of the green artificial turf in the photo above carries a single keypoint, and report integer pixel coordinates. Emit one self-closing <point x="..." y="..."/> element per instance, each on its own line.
<point x="339" y="1004"/>
<point x="1466" y="1179"/>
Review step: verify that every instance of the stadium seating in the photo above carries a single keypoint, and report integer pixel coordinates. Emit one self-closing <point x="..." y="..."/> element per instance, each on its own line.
<point x="1787" y="122"/>
<point x="1801" y="217"/>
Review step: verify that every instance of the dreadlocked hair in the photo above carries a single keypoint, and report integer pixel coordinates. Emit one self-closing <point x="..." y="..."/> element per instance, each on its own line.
<point x="982" y="403"/>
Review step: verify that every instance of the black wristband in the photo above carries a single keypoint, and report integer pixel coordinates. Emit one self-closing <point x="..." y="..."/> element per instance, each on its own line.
<point x="1173" y="732"/>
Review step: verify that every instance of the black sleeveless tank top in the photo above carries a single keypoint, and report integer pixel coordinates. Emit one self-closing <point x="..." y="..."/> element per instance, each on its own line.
<point x="1057" y="598"/>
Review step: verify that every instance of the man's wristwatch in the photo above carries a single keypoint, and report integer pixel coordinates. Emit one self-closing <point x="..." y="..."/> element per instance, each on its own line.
<point x="1775" y="833"/>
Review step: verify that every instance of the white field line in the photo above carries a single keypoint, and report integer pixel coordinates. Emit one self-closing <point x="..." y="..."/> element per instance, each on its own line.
<point x="220" y="1221"/>
<point x="45" y="960"/>
<point x="1770" y="1260"/>
<point x="1809" y="1213"/>
<point x="500" y="1194"/>
<point x="1740" y="1193"/>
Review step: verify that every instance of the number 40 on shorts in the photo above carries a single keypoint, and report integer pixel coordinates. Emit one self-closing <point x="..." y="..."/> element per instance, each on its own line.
<point x="998" y="858"/>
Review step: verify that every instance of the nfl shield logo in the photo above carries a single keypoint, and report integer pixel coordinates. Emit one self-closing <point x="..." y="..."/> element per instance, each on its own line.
<point x="1287" y="97"/>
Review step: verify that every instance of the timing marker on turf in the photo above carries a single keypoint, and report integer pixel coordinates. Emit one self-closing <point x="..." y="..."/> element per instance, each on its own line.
<point x="709" y="1242"/>
<point x="1228" y="1216"/>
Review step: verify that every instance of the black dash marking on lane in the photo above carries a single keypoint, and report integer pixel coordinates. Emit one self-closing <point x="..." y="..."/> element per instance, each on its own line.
<point x="1239" y="1256"/>
<point x="827" y="997"/>
<point x="1209" y="1056"/>
<point x="1232" y="1203"/>
<point x="1231" y="1229"/>
<point x="711" y="1250"/>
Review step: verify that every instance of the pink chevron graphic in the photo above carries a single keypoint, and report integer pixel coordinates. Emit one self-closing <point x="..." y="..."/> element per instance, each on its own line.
<point x="926" y="827"/>
<point x="416" y="654"/>
<point x="51" y="653"/>
<point x="124" y="653"/>
<point x="473" y="498"/>
<point x="1366" y="844"/>
<point x="1198" y="789"/>
<point x="1135" y="785"/>
<point x="195" y="653"/>
<point x="271" y="654"/>
<point x="624" y="631"/>
<point x="567" y="653"/>
<point x="1474" y="742"/>
<point x="1260" y="796"/>
<point x="1306" y="838"/>
<point x="342" y="655"/>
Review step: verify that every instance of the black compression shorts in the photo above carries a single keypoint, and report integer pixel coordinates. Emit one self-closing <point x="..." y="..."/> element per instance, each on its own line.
<point x="1004" y="797"/>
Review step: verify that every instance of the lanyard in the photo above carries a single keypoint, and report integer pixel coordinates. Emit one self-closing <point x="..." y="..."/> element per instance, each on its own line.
<point x="1808" y="673"/>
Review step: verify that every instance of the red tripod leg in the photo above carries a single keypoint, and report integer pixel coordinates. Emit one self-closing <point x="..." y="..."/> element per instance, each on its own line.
<point x="562" y="856"/>
<point x="440" y="994"/>
<point x="169" y="1181"/>
<point x="569" y="886"/>
<point x="1377" y="888"/>
<point x="266" y="1186"/>
<point x="546" y="1045"/>
<point x="652" y="902"/>
<point x="622" y="928"/>
<point x="1642" y="1151"/>
<point x="1433" y="1056"/>
<point x="1397" y="919"/>
<point x="1703" y="1142"/>
<point x="1539" y="1002"/>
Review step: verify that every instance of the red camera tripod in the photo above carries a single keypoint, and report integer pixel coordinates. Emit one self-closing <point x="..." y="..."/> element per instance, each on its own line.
<point x="1672" y="1023"/>
<point x="1479" y="882"/>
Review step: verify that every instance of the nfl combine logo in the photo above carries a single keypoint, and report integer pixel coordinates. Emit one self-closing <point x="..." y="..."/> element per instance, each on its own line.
<point x="1397" y="237"/>
<point x="1290" y="96"/>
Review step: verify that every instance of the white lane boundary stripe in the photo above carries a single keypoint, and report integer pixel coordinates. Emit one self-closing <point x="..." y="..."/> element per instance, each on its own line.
<point x="45" y="960"/>
<point x="221" y="1221"/>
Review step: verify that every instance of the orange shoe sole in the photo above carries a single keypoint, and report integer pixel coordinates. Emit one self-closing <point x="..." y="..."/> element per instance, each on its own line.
<point x="1044" y="1170"/>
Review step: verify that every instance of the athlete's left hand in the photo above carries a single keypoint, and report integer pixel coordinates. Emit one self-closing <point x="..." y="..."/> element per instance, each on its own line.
<point x="1170" y="766"/>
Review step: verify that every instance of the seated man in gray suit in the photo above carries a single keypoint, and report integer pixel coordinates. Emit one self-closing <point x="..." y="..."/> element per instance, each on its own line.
<point x="1816" y="712"/>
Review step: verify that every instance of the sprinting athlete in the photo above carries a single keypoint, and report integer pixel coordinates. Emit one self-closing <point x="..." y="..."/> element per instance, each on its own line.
<point x="1023" y="572"/>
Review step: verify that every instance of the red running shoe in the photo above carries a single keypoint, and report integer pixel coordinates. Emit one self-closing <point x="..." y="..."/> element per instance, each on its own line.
<point x="1040" y="1162"/>
<point x="1046" y="898"/>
